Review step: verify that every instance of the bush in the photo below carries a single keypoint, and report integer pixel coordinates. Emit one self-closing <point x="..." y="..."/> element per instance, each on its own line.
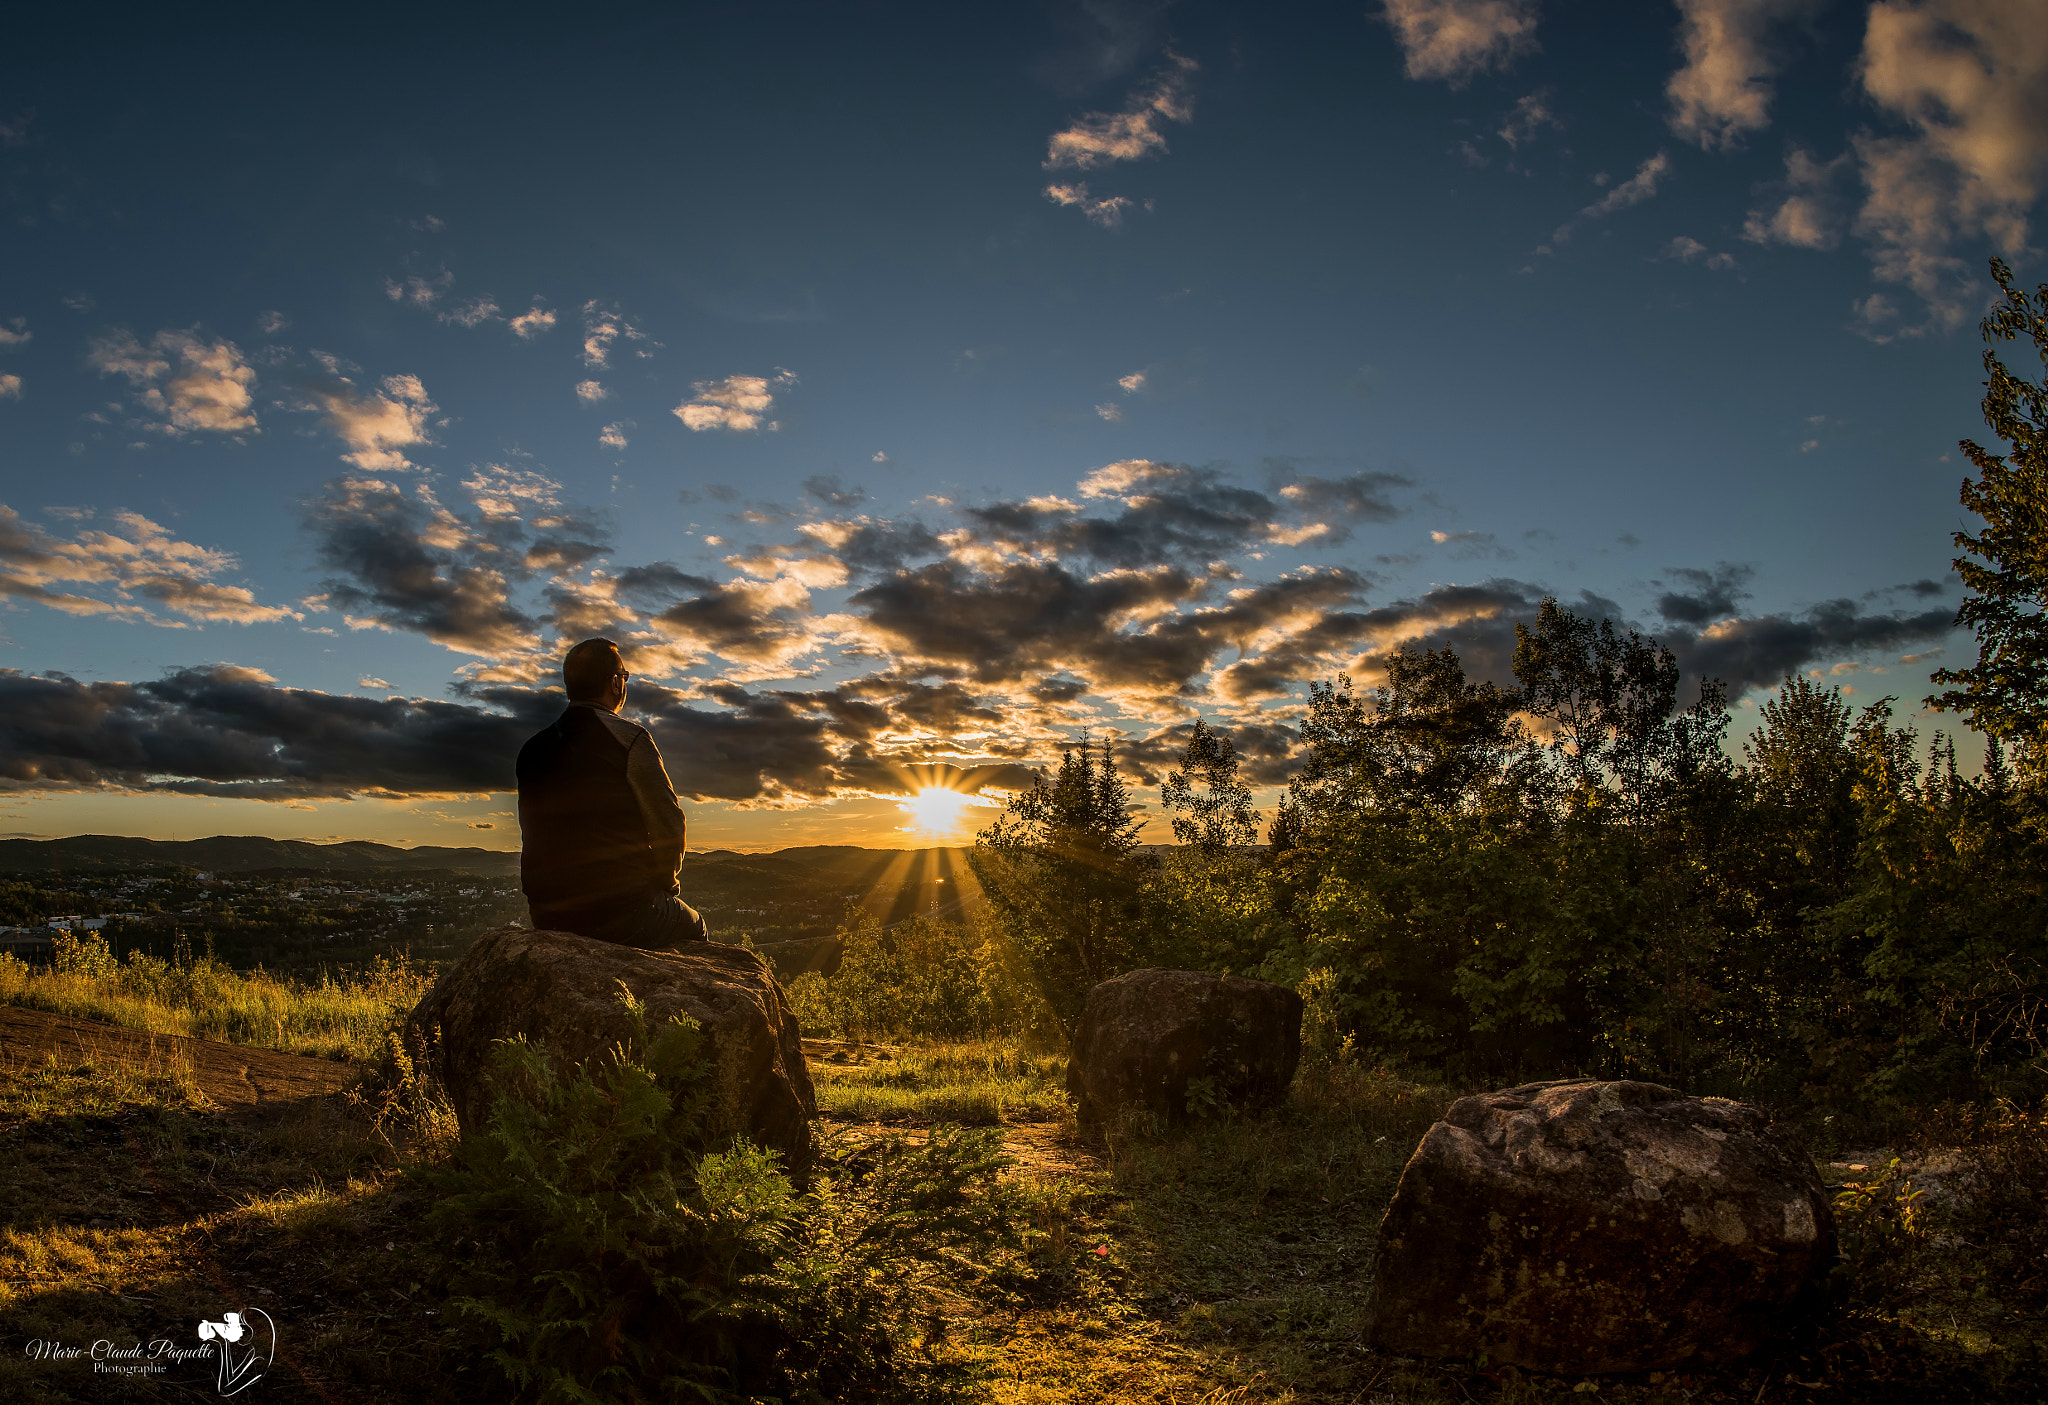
<point x="619" y="1256"/>
<point x="921" y="979"/>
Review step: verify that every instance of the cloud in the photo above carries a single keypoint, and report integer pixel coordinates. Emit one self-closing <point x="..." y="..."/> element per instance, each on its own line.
<point x="1724" y="91"/>
<point x="184" y="382"/>
<point x="1108" y="212"/>
<point x="137" y="557"/>
<point x="406" y="562"/>
<point x="1357" y="497"/>
<point x="613" y="436"/>
<point x="737" y="403"/>
<point x="372" y="683"/>
<point x="1133" y="383"/>
<point x="826" y="488"/>
<point x="1808" y="208"/>
<point x="419" y="291"/>
<point x="271" y="323"/>
<point x="1969" y="80"/>
<point x="15" y="333"/>
<point x="1758" y="652"/>
<point x="1456" y="40"/>
<point x="10" y="387"/>
<point x="378" y="425"/>
<point x="590" y="392"/>
<point x="1689" y="250"/>
<point x="532" y="322"/>
<point x="225" y="731"/>
<point x="1110" y="411"/>
<point x="602" y="326"/>
<point x="1531" y="115"/>
<point x="1697" y="597"/>
<point x="473" y="313"/>
<point x="1634" y="191"/>
<point x="1100" y="139"/>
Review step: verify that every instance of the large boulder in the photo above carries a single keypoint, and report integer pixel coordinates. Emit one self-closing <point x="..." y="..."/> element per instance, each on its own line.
<point x="1584" y="1227"/>
<point x="1183" y="1043"/>
<point x="562" y="991"/>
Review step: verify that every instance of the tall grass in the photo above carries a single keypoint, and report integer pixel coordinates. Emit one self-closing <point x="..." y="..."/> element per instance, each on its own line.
<point x="334" y="1017"/>
<point x="976" y="1084"/>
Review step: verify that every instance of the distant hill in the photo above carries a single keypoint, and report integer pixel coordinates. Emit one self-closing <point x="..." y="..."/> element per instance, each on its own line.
<point x="241" y="854"/>
<point x="791" y="892"/>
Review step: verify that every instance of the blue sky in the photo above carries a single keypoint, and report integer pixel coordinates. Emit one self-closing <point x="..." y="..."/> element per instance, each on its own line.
<point x="911" y="388"/>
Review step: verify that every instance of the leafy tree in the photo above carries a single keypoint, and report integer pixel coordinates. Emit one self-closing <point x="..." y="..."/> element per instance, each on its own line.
<point x="1612" y="701"/>
<point x="1220" y="816"/>
<point x="1429" y="739"/>
<point x="2006" y="565"/>
<point x="1805" y="771"/>
<point x="1062" y="877"/>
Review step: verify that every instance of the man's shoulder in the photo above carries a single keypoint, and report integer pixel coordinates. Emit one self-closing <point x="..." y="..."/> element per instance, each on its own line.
<point x="624" y="732"/>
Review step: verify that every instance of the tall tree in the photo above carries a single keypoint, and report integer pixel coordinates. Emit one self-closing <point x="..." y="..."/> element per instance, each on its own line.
<point x="2006" y="565"/>
<point x="1211" y="807"/>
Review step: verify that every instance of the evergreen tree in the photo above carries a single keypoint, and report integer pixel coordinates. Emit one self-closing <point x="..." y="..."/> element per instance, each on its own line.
<point x="2006" y="565"/>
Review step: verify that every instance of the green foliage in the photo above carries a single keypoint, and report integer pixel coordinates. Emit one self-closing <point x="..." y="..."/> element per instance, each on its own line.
<point x="1219" y="815"/>
<point x="1063" y="881"/>
<point x="618" y="1255"/>
<point x="2006" y="564"/>
<point x="920" y="979"/>
<point x="1883" y="1233"/>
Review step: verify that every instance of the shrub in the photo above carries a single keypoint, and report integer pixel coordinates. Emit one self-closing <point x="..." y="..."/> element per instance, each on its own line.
<point x="921" y="979"/>
<point x="620" y="1256"/>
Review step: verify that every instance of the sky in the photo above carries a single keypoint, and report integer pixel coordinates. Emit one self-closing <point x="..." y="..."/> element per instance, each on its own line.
<point x="914" y="389"/>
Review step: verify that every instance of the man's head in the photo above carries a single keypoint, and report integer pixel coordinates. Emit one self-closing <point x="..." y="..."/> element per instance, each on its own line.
<point x="593" y="672"/>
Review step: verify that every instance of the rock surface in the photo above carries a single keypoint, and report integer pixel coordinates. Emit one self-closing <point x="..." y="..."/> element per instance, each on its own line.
<point x="562" y="991"/>
<point x="1584" y="1227"/>
<point x="1182" y="1043"/>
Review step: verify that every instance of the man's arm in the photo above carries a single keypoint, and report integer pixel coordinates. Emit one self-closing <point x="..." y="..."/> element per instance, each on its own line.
<point x="659" y="808"/>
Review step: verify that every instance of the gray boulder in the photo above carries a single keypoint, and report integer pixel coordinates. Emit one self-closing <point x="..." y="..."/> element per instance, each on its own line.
<point x="562" y="991"/>
<point x="1584" y="1227"/>
<point x="1183" y="1043"/>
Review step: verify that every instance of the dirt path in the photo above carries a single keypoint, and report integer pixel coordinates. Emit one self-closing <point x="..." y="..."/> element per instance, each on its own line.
<point x="234" y="1076"/>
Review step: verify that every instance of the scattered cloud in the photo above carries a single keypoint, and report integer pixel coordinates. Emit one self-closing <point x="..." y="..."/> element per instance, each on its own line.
<point x="1456" y="40"/>
<point x="602" y="327"/>
<point x="131" y="557"/>
<point x="1108" y="212"/>
<point x="271" y="323"/>
<point x="1723" y="93"/>
<point x="1133" y="383"/>
<point x="1808" y="209"/>
<point x="10" y="387"/>
<point x="1968" y="79"/>
<point x="1100" y="139"/>
<point x="372" y="683"/>
<point x="1110" y="411"/>
<point x="473" y="313"/>
<point x="419" y="290"/>
<point x="377" y="425"/>
<point x="590" y="392"/>
<point x="1635" y="190"/>
<point x="1530" y="117"/>
<point x="184" y="382"/>
<point x="613" y="436"/>
<point x="827" y="489"/>
<point x="1689" y="250"/>
<point x="532" y="322"/>
<point x="15" y="332"/>
<point x="737" y="403"/>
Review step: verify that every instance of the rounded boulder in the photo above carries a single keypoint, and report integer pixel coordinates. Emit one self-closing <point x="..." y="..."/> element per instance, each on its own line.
<point x="1182" y="1044"/>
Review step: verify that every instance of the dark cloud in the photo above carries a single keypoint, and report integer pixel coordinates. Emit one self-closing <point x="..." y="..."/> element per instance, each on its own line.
<point x="227" y="731"/>
<point x="1760" y="651"/>
<point x="1357" y="497"/>
<point x="1697" y="597"/>
<point x="659" y="585"/>
<point x="410" y="564"/>
<point x="826" y="488"/>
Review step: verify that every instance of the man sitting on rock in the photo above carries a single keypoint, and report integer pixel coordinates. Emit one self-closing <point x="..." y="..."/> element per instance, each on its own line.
<point x="601" y="832"/>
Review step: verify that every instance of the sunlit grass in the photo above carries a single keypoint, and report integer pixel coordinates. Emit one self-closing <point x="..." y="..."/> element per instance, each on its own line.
<point x="978" y="1084"/>
<point x="332" y="1018"/>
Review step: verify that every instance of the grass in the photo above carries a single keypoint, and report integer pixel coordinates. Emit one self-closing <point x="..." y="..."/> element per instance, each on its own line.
<point x="341" y="1017"/>
<point x="1223" y="1263"/>
<point x="976" y="1084"/>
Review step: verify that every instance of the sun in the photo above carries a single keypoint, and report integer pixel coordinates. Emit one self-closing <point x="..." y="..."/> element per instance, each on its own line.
<point x="937" y="811"/>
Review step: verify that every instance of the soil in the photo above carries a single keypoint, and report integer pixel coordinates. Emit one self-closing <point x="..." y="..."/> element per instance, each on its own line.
<point x="235" y="1077"/>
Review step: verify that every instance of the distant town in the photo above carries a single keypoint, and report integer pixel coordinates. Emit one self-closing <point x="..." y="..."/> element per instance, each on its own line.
<point x="373" y="903"/>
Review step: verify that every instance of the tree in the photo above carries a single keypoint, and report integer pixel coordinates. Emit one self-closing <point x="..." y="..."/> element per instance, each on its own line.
<point x="1220" y="817"/>
<point x="2006" y="568"/>
<point x="1062" y="876"/>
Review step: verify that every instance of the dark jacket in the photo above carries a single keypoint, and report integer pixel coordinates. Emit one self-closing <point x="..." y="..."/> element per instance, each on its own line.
<point x="600" y="829"/>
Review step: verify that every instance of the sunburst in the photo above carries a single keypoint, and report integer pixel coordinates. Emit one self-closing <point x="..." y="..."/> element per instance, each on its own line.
<point x="939" y="812"/>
